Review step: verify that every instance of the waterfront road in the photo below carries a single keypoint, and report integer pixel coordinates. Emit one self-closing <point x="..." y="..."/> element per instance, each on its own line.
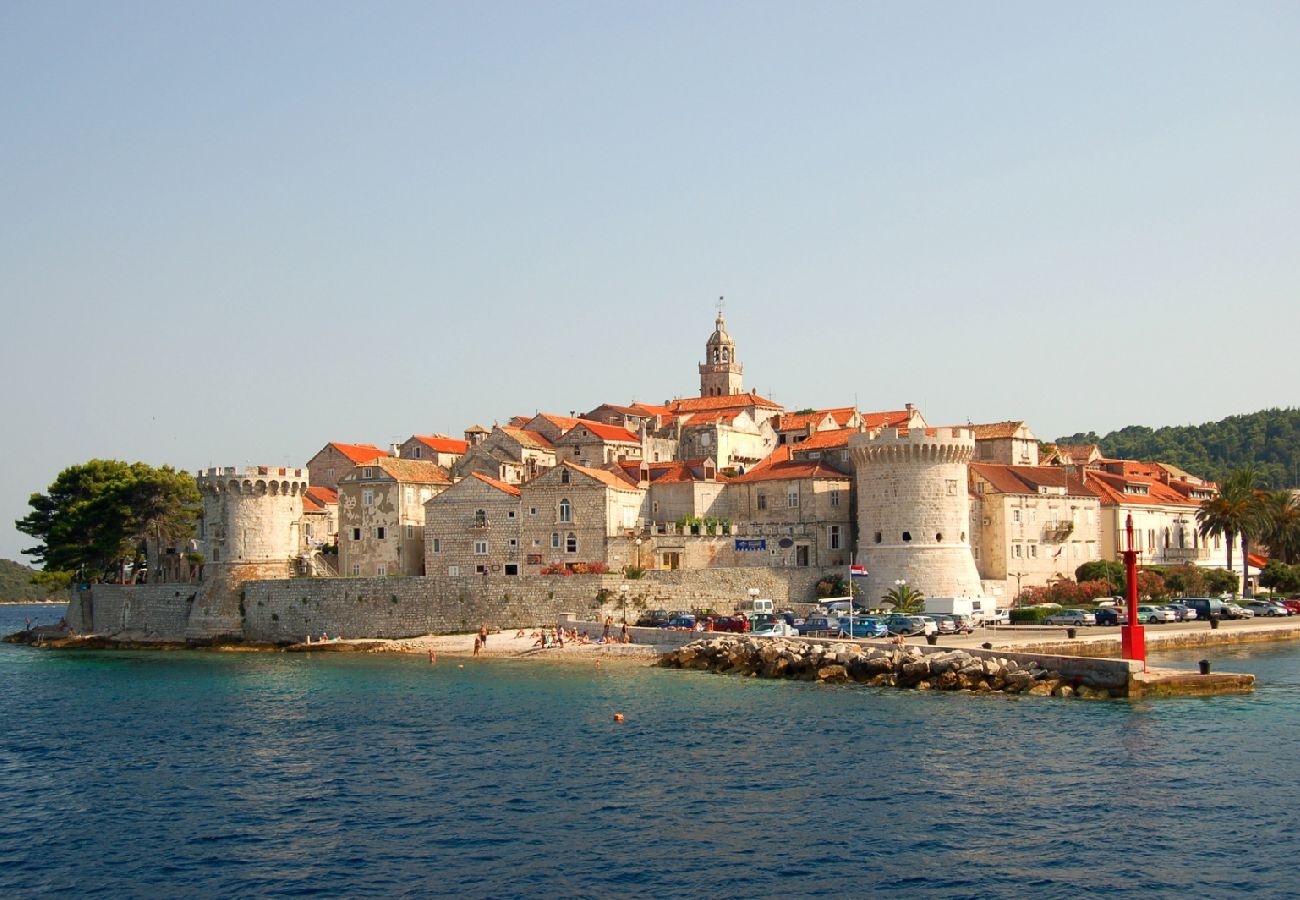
<point x="1010" y="636"/>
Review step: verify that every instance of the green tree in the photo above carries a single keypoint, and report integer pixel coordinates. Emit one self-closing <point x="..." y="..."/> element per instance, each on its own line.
<point x="1108" y="570"/>
<point x="905" y="598"/>
<point x="1185" y="581"/>
<point x="96" y="515"/>
<point x="1220" y="581"/>
<point x="1235" y="512"/>
<point x="1280" y="525"/>
<point x="1280" y="577"/>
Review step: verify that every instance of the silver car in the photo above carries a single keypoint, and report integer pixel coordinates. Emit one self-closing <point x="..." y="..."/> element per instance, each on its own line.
<point x="1072" y="617"/>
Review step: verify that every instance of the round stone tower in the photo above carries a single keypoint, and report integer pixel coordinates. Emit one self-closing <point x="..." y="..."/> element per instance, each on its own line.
<point x="914" y="510"/>
<point x="252" y="518"/>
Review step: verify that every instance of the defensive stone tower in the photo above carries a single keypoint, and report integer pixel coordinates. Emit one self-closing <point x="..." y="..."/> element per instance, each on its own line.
<point x="720" y="373"/>
<point x="914" y="510"/>
<point x="250" y="531"/>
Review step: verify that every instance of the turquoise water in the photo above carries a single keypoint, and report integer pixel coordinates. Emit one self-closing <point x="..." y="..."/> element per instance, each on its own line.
<point x="205" y="774"/>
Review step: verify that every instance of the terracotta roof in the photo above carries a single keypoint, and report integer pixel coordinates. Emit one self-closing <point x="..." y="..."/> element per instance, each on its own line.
<point x="726" y="401"/>
<point x="1028" y="479"/>
<point x="1078" y="454"/>
<point x="829" y="439"/>
<point x="648" y="409"/>
<point x="672" y="472"/>
<point x="527" y="438"/>
<point x="476" y="429"/>
<point x="442" y="443"/>
<point x="1110" y="488"/>
<point x="323" y="495"/>
<point x="788" y="470"/>
<point x="894" y="418"/>
<point x="605" y="432"/>
<point x="415" y="470"/>
<point x="499" y="485"/>
<point x="358" y="453"/>
<point x="311" y="506"/>
<point x="799" y="421"/>
<point x="564" y="423"/>
<point x="996" y="430"/>
<point x="721" y="415"/>
<point x="619" y="481"/>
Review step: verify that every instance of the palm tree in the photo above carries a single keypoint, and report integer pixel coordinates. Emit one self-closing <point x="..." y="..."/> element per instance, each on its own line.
<point x="1235" y="512"/>
<point x="905" y="598"/>
<point x="1280" y="525"/>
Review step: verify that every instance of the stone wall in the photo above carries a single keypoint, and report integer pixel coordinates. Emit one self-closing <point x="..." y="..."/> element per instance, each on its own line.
<point x="290" y="609"/>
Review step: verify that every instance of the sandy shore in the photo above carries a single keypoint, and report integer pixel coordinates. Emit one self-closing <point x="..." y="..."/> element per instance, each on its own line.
<point x="506" y="645"/>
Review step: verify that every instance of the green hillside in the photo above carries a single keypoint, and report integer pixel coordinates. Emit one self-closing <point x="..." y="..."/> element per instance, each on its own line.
<point x="1269" y="440"/>
<point x="16" y="584"/>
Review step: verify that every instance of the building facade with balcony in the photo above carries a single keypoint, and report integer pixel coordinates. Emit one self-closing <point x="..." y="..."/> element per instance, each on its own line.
<point x="473" y="528"/>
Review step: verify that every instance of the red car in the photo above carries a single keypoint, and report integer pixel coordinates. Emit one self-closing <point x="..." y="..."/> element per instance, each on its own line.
<point x="726" y="623"/>
<point x="1293" y="605"/>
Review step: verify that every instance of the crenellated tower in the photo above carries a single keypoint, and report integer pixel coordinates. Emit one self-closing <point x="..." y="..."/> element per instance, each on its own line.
<point x="914" y="510"/>
<point x="720" y="373"/>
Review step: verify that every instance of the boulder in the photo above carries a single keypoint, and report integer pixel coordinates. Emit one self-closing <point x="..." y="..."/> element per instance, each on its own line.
<point x="833" y="674"/>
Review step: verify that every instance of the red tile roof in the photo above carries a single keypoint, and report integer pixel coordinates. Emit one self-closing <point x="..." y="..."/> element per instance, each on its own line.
<point x="649" y="409"/>
<point x="527" y="438"/>
<point x="894" y="418"/>
<point x="323" y="495"/>
<point x="564" y="423"/>
<point x="311" y="506"/>
<point x="1110" y="488"/>
<point x="441" y="443"/>
<point x="414" y="470"/>
<point x="1028" y="479"/>
<point x="728" y="416"/>
<point x="359" y="453"/>
<point x="499" y="485"/>
<point x="726" y="401"/>
<point x="615" y="433"/>
<point x="788" y="470"/>
<point x="619" y="481"/>
<point x="830" y="439"/>
<point x="799" y="421"/>
<point x="672" y="472"/>
<point x="995" y="430"/>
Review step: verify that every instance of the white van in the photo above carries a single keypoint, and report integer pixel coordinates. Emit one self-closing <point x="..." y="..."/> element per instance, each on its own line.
<point x="980" y="609"/>
<point x="755" y="606"/>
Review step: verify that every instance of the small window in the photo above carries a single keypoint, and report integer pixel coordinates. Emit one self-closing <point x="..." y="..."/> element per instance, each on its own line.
<point x="510" y="513"/>
<point x="512" y="568"/>
<point x="409" y="495"/>
<point x="437" y="545"/>
<point x="1033" y="551"/>
<point x="453" y="570"/>
<point x="380" y="533"/>
<point x="833" y="533"/>
<point x="415" y="454"/>
<point x="907" y="535"/>
<point x="762" y="501"/>
<point x="566" y="510"/>
<point x="367" y="472"/>
<point x="555" y="540"/>
<point x="514" y="542"/>
<point x="367" y="498"/>
<point x="835" y="496"/>
<point x="480" y="548"/>
<point x="792" y="498"/>
<point x="564" y="476"/>
<point x="571" y="543"/>
<point x="356" y="568"/>
<point x="356" y="534"/>
<point x="1017" y="551"/>
<point x="532" y="510"/>
<point x="938" y="537"/>
<point x="1015" y="515"/>
<point x="381" y="570"/>
<point x="879" y="537"/>
<point x="410" y="532"/>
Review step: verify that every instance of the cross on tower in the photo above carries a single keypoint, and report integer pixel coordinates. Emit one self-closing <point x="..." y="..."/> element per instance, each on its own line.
<point x="719" y="305"/>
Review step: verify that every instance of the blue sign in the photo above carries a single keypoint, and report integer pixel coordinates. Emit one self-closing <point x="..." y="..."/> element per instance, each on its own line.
<point x="752" y="544"/>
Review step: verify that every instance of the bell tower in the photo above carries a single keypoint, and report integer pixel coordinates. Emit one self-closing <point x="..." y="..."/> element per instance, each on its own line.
<point x="720" y="373"/>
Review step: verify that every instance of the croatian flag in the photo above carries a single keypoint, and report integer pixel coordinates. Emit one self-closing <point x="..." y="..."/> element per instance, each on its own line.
<point x="858" y="571"/>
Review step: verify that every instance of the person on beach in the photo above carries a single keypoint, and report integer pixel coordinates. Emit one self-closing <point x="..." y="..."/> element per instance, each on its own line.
<point x="433" y="658"/>
<point x="626" y="637"/>
<point x="482" y="634"/>
<point x="478" y="644"/>
<point x="609" y="623"/>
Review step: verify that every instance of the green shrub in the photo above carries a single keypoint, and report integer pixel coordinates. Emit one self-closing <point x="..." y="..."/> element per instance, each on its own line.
<point x="1031" y="615"/>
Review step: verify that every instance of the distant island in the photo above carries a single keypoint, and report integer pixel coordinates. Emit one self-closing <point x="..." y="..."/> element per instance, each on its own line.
<point x="16" y="586"/>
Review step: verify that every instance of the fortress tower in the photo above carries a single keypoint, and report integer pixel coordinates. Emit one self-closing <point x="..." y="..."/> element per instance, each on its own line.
<point x="914" y="510"/>
<point x="720" y="373"/>
<point x="250" y="530"/>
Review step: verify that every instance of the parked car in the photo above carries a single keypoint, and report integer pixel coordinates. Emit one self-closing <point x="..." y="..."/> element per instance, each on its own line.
<point x="683" y="621"/>
<point x="863" y="626"/>
<point x="1184" y="612"/>
<point x="897" y="623"/>
<point x="1001" y="616"/>
<point x="1154" y="615"/>
<point x="1292" y="604"/>
<point x="776" y="628"/>
<point x="1233" y="611"/>
<point x="738" y="624"/>
<point x="1266" y="608"/>
<point x="1072" y="617"/>
<point x="1110" y="615"/>
<point x="955" y="623"/>
<point x="819" y="625"/>
<point x="654" y="618"/>
<point x="944" y="624"/>
<point x="928" y="625"/>
<point x="1206" y="607"/>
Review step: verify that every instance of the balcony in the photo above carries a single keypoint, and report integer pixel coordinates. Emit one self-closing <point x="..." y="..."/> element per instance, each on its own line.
<point x="1185" y="554"/>
<point x="1058" y="532"/>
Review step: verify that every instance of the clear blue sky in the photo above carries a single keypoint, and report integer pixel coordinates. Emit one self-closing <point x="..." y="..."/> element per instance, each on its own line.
<point x="232" y="232"/>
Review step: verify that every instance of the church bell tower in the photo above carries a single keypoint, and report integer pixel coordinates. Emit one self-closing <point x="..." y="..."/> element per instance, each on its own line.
<point x="720" y="373"/>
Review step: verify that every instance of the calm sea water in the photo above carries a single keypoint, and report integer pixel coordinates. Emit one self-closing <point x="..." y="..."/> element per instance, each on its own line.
<point x="215" y="774"/>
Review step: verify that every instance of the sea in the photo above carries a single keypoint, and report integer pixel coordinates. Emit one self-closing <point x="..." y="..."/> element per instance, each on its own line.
<point x="211" y="774"/>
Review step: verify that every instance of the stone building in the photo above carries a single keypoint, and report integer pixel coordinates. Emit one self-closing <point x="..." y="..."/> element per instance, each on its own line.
<point x="597" y="444"/>
<point x="572" y="514"/>
<point x="252" y="519"/>
<point x="335" y="460"/>
<point x="734" y="430"/>
<point x="914" y="510"/>
<point x="805" y="508"/>
<point x="508" y="454"/>
<point x="473" y="528"/>
<point x="1031" y="524"/>
<point x="435" y="448"/>
<point x="679" y="490"/>
<point x="1009" y="443"/>
<point x="381" y="516"/>
<point x="720" y="373"/>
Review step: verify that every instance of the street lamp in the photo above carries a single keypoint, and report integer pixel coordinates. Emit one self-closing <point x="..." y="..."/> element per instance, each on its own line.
<point x="622" y="589"/>
<point x="638" y="553"/>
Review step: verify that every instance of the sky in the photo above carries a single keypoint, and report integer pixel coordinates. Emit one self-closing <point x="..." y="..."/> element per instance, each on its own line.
<point x="231" y="233"/>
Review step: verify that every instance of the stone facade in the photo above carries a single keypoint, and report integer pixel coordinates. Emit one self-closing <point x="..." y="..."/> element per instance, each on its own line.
<point x="381" y="516"/>
<point x="335" y="460"/>
<point x="569" y="514"/>
<point x="720" y="373"/>
<point x="914" y="510"/>
<point x="435" y="448"/>
<point x="472" y="528"/>
<point x="252" y="516"/>
<point x="808" y="494"/>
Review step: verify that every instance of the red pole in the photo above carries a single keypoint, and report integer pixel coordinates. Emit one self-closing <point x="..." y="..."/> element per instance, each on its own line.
<point x="1132" y="637"/>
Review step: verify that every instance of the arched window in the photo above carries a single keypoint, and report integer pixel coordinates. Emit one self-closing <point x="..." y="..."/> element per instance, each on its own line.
<point x="571" y="543"/>
<point x="715" y="354"/>
<point x="726" y="355"/>
<point x="566" y="511"/>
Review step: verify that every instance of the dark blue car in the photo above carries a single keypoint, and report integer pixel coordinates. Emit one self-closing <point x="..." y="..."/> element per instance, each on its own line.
<point x="863" y="626"/>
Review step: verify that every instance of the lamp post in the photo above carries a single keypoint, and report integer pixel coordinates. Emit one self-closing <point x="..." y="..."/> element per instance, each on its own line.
<point x="638" y="553"/>
<point x="623" y="589"/>
<point x="753" y="595"/>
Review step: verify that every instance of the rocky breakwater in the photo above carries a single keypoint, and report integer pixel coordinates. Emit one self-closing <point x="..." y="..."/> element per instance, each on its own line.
<point x="904" y="667"/>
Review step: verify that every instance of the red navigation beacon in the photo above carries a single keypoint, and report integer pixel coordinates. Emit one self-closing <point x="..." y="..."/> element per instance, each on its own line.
<point x="1132" y="637"/>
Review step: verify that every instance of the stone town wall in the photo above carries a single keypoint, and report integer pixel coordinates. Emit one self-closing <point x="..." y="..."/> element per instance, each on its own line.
<point x="290" y="609"/>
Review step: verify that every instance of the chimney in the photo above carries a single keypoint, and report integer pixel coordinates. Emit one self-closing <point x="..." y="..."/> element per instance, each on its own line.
<point x="395" y="450"/>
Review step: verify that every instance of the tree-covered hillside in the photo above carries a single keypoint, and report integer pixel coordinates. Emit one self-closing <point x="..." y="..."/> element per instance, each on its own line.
<point x="16" y="583"/>
<point x="1269" y="440"/>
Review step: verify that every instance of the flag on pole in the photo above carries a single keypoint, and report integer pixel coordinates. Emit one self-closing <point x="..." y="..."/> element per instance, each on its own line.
<point x="858" y="571"/>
